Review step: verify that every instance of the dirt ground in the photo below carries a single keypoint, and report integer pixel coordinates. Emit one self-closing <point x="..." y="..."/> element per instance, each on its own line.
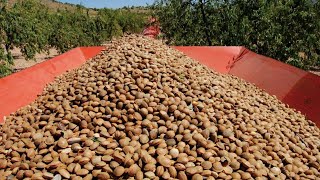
<point x="315" y="72"/>
<point x="21" y="63"/>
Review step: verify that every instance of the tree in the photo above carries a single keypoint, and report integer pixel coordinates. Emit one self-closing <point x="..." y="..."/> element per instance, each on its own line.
<point x="282" y="29"/>
<point x="30" y="26"/>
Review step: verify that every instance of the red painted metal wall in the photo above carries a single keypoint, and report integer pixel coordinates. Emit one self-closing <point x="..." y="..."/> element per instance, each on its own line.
<point x="295" y="87"/>
<point x="219" y="58"/>
<point x="20" y="89"/>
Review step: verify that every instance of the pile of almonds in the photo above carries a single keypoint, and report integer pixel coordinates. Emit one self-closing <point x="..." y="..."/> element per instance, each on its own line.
<point x="141" y="110"/>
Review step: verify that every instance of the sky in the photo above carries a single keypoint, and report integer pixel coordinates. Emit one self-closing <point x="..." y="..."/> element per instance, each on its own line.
<point x="109" y="3"/>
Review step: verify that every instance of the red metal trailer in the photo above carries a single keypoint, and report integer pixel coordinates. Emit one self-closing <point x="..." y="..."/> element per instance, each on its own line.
<point x="295" y="87"/>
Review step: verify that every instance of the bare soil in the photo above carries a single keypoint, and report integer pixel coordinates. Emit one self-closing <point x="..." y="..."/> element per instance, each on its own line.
<point x="315" y="72"/>
<point x="21" y="63"/>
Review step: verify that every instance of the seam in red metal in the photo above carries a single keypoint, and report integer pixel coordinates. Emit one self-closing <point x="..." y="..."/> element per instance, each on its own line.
<point x="242" y="53"/>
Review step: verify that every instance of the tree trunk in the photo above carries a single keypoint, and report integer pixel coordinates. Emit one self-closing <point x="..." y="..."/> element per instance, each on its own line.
<point x="204" y="19"/>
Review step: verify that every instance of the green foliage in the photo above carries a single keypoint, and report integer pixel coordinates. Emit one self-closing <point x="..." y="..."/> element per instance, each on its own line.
<point x="4" y="69"/>
<point x="125" y="19"/>
<point x="32" y="27"/>
<point x="282" y="29"/>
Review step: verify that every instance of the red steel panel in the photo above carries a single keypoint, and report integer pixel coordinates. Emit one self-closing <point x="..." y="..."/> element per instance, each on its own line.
<point x="304" y="96"/>
<point x="89" y="52"/>
<point x="21" y="88"/>
<point x="219" y="58"/>
<point x="295" y="87"/>
<point x="273" y="76"/>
